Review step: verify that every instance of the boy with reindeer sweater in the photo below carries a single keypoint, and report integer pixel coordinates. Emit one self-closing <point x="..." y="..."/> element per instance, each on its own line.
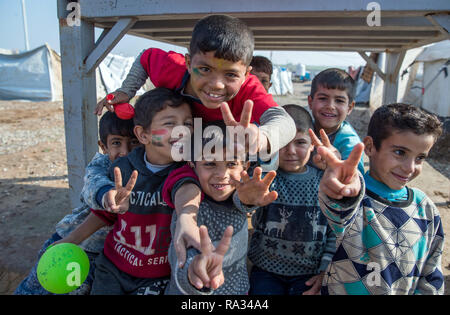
<point x="292" y="243"/>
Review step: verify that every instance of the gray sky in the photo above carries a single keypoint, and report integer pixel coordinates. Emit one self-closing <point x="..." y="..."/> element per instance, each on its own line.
<point x="43" y="28"/>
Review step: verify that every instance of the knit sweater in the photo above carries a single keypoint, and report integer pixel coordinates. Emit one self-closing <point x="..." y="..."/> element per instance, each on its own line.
<point x="291" y="236"/>
<point x="216" y="216"/>
<point x="384" y="247"/>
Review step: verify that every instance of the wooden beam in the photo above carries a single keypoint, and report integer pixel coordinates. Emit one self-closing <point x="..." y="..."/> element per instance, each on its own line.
<point x="372" y="64"/>
<point x="79" y="98"/>
<point x="394" y="62"/>
<point x="107" y="42"/>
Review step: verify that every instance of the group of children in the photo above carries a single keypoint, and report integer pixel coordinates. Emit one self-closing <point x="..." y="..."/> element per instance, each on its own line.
<point x="321" y="224"/>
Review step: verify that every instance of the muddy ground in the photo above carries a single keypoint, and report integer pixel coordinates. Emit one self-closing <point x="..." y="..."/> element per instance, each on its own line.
<point x="34" y="185"/>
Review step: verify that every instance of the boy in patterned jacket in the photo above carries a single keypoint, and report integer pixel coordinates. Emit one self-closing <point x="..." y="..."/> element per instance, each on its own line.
<point x="389" y="236"/>
<point x="116" y="140"/>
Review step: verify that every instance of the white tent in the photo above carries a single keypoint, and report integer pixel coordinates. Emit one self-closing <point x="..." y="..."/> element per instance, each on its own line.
<point x="35" y="75"/>
<point x="281" y="81"/>
<point x="429" y="79"/>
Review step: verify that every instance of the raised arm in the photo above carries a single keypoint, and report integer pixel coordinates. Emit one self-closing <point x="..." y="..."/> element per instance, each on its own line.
<point x="135" y="79"/>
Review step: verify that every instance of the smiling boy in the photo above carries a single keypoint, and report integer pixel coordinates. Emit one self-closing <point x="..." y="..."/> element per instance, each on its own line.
<point x="390" y="236"/>
<point x="331" y="100"/>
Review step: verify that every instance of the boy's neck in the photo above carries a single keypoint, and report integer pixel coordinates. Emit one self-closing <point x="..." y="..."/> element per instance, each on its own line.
<point x="328" y="131"/>
<point x="384" y="190"/>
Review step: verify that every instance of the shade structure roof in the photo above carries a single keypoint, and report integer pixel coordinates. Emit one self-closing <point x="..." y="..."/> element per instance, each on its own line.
<point x="287" y="25"/>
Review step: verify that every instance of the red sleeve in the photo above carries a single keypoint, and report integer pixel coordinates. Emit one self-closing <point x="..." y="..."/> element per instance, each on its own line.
<point x="107" y="217"/>
<point x="252" y="89"/>
<point x="165" y="69"/>
<point x="173" y="178"/>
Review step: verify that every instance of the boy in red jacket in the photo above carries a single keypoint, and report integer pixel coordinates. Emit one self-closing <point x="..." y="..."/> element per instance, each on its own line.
<point x="215" y="76"/>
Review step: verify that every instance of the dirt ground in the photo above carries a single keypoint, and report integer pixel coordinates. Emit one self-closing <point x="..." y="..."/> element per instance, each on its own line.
<point x="34" y="185"/>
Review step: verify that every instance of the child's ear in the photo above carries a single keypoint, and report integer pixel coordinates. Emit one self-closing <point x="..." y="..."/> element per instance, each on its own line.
<point x="368" y="145"/>
<point x="246" y="165"/>
<point x="249" y="69"/>
<point x="191" y="164"/>
<point x="187" y="59"/>
<point x="103" y="147"/>
<point x="350" y="107"/>
<point x="142" y="135"/>
<point x="310" y="100"/>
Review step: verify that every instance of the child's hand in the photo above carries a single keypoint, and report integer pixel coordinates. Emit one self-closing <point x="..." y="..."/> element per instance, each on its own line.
<point x="119" y="97"/>
<point x="316" y="283"/>
<point x="317" y="159"/>
<point x="340" y="178"/>
<point x="255" y="191"/>
<point x="206" y="268"/>
<point x="186" y="235"/>
<point x="117" y="200"/>
<point x="254" y="141"/>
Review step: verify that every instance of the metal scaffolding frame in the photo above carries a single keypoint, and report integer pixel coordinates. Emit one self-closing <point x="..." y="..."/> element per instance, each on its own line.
<point x="321" y="25"/>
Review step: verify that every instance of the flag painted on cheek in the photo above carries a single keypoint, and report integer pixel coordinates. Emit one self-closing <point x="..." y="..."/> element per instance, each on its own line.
<point x="157" y="136"/>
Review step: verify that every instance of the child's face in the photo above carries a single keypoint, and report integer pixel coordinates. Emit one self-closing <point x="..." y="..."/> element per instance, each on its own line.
<point x="263" y="77"/>
<point x="329" y="108"/>
<point x="399" y="159"/>
<point x="158" y="138"/>
<point x="117" y="146"/>
<point x="295" y="155"/>
<point x="214" y="80"/>
<point x="214" y="177"/>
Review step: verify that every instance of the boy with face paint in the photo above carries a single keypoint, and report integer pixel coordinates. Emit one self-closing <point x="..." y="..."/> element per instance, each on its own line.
<point x="134" y="259"/>
<point x="215" y="75"/>
<point x="116" y="140"/>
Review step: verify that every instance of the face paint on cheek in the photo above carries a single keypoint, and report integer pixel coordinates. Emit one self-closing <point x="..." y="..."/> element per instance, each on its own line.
<point x="197" y="72"/>
<point x="157" y="136"/>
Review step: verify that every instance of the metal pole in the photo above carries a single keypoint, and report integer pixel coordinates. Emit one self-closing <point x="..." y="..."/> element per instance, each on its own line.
<point x="25" y="27"/>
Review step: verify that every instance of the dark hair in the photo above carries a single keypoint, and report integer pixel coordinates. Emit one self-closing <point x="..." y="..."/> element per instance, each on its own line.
<point x="401" y="117"/>
<point x="154" y="101"/>
<point x="334" y="78"/>
<point x="110" y="124"/>
<point x="229" y="37"/>
<point x="212" y="137"/>
<point x="262" y="64"/>
<point x="301" y="117"/>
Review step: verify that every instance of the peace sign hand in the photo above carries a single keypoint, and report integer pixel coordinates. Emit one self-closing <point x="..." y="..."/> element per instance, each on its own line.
<point x="254" y="141"/>
<point x="206" y="268"/>
<point x="117" y="199"/>
<point x="255" y="191"/>
<point x="317" y="158"/>
<point x="340" y="178"/>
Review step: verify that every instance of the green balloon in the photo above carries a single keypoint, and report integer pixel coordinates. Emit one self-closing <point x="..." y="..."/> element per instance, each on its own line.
<point x="62" y="268"/>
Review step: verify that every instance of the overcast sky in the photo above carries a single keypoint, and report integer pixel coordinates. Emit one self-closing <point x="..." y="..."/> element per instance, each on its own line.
<point x="43" y="28"/>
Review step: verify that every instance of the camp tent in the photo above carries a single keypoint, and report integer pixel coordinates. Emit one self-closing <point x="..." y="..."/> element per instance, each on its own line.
<point x="428" y="83"/>
<point x="35" y="75"/>
<point x="281" y="81"/>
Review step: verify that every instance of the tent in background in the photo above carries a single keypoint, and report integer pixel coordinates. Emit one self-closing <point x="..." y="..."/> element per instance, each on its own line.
<point x="35" y="75"/>
<point x="281" y="81"/>
<point x="428" y="84"/>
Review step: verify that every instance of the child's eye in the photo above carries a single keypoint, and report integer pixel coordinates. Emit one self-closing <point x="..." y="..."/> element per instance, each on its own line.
<point x="399" y="152"/>
<point x="135" y="142"/>
<point x="116" y="143"/>
<point x="169" y="123"/>
<point x="232" y="164"/>
<point x="421" y="158"/>
<point x="189" y="123"/>
<point x="232" y="75"/>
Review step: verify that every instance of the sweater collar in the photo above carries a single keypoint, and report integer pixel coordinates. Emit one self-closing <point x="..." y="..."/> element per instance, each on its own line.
<point x="383" y="190"/>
